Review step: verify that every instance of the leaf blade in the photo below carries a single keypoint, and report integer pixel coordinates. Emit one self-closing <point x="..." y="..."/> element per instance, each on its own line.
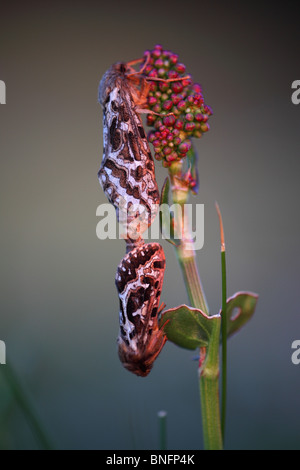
<point x="188" y="327"/>
<point x="245" y="302"/>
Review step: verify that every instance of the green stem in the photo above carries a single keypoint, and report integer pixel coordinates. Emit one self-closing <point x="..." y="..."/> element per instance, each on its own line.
<point x="192" y="279"/>
<point x="25" y="405"/>
<point x="224" y="343"/>
<point x="209" y="363"/>
<point x="209" y="393"/>
<point x="224" y="324"/>
<point x="162" y="417"/>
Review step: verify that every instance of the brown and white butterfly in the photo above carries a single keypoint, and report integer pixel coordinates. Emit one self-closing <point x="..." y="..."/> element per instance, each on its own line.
<point x="127" y="172"/>
<point x="127" y="176"/>
<point x="139" y="281"/>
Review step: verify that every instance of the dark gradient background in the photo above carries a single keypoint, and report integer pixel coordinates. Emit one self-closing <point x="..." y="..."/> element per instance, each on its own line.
<point x="59" y="306"/>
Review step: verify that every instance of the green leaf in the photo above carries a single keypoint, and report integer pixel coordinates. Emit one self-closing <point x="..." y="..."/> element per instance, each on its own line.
<point x="188" y="327"/>
<point x="239" y="309"/>
<point x="164" y="195"/>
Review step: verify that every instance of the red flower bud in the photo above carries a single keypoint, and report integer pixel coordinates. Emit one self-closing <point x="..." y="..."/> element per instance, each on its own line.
<point x="180" y="68"/>
<point x="172" y="74"/>
<point x="166" y="53"/>
<point x="168" y="104"/>
<point x="181" y="105"/>
<point x="208" y="110"/>
<point x="153" y="73"/>
<point x="197" y="97"/>
<point x="186" y="82"/>
<point x="184" y="147"/>
<point x="174" y="58"/>
<point x="172" y="157"/>
<point x="190" y="126"/>
<point x="152" y="100"/>
<point x="199" y="117"/>
<point x="148" y="69"/>
<point x="167" y="150"/>
<point x="197" y="88"/>
<point x="163" y="86"/>
<point x="158" y="123"/>
<point x="156" y="52"/>
<point x="179" y="124"/>
<point x="189" y="117"/>
<point x="153" y="86"/>
<point x="177" y="87"/>
<point x="175" y="98"/>
<point x="169" y="121"/>
<point x="151" y="136"/>
<point x="158" y="63"/>
<point x="150" y="119"/>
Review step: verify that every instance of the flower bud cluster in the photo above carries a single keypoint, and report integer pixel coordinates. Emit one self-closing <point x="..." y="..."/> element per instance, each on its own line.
<point x="178" y="111"/>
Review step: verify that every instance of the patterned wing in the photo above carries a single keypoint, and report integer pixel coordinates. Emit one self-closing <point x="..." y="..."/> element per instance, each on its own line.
<point x="127" y="173"/>
<point x="139" y="281"/>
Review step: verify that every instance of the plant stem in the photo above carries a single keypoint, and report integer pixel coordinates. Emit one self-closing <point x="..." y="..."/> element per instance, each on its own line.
<point x="209" y="363"/>
<point x="223" y="324"/>
<point x="192" y="279"/>
<point x="162" y="417"/>
<point x="224" y="343"/>
<point x="209" y="393"/>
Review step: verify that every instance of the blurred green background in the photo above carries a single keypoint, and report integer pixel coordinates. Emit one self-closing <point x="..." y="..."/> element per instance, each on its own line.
<point x="59" y="306"/>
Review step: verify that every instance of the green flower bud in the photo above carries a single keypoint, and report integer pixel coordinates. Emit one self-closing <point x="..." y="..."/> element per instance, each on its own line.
<point x="204" y="127"/>
<point x="197" y="133"/>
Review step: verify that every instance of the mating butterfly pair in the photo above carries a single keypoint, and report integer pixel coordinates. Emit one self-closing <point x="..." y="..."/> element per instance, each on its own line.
<point x="127" y="176"/>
